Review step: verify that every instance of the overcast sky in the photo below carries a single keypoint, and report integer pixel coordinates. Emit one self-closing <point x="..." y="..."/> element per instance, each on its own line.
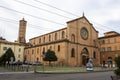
<point x="44" y="16"/>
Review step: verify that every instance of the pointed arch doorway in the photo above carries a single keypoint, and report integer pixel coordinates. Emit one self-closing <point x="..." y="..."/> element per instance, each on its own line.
<point x="84" y="56"/>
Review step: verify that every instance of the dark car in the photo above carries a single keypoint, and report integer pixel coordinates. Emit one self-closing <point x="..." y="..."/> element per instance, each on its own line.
<point x="37" y="63"/>
<point x="27" y="63"/>
<point x="16" y="63"/>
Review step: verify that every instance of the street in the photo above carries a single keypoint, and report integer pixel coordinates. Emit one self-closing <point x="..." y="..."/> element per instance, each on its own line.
<point x="74" y="76"/>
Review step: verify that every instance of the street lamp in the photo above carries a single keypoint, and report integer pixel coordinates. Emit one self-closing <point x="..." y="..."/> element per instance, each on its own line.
<point x="43" y="56"/>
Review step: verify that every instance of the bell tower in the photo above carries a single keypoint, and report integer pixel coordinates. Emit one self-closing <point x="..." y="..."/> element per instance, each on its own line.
<point x="22" y="31"/>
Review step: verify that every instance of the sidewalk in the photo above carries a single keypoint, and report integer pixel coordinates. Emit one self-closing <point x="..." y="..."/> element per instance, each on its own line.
<point x="73" y="70"/>
<point x="6" y="71"/>
<point x="3" y="70"/>
<point x="57" y="71"/>
<point x="15" y="72"/>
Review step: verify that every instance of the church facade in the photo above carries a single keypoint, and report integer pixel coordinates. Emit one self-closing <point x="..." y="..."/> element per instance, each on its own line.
<point x="73" y="45"/>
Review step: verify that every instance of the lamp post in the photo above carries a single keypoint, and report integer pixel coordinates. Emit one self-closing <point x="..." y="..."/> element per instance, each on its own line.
<point x="35" y="68"/>
<point x="102" y="58"/>
<point x="43" y="56"/>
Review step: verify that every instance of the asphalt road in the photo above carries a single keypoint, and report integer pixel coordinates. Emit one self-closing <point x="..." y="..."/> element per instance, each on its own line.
<point x="75" y="76"/>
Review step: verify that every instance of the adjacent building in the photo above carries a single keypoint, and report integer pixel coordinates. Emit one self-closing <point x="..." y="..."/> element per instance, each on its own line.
<point x="17" y="48"/>
<point x="110" y="47"/>
<point x="73" y="45"/>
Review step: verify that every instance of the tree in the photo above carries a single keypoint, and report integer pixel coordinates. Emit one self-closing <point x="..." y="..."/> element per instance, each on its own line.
<point x="50" y="56"/>
<point x="7" y="56"/>
<point x="2" y="59"/>
<point x="9" y="53"/>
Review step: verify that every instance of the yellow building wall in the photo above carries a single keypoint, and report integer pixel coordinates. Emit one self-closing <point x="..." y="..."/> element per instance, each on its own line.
<point x="18" y="50"/>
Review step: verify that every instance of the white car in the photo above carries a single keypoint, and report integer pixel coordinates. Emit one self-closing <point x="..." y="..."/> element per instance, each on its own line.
<point x="89" y="67"/>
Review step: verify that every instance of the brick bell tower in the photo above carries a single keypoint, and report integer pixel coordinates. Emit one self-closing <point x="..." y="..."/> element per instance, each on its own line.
<point x="22" y="31"/>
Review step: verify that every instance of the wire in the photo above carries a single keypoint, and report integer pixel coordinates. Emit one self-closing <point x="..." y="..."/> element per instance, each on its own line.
<point x="31" y="15"/>
<point x="8" y="20"/>
<point x="44" y="19"/>
<point x="68" y="12"/>
<point x="104" y="26"/>
<point x="33" y="26"/>
<point x="37" y="17"/>
<point x="42" y="9"/>
<point x="30" y="24"/>
<point x="56" y="8"/>
<point x="16" y="22"/>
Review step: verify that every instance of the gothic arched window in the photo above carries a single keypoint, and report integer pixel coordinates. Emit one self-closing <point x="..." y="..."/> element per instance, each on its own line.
<point x="49" y="37"/>
<point x="63" y="34"/>
<point x="58" y="47"/>
<point x="73" y="52"/>
<point x="50" y="47"/>
<point x="94" y="55"/>
<point x="73" y="38"/>
<point x="39" y="40"/>
<point x="55" y="36"/>
<point x="43" y="51"/>
<point x="44" y="39"/>
<point x="37" y="50"/>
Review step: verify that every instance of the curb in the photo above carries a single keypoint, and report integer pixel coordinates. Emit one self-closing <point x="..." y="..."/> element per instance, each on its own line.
<point x="15" y="72"/>
<point x="69" y="72"/>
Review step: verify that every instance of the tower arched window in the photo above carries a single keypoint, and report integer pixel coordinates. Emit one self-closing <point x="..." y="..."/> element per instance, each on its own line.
<point x="73" y="38"/>
<point x="55" y="36"/>
<point x="63" y="34"/>
<point x="73" y="52"/>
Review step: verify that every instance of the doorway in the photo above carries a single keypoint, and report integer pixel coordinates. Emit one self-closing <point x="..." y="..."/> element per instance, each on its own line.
<point x="84" y="60"/>
<point x="84" y="56"/>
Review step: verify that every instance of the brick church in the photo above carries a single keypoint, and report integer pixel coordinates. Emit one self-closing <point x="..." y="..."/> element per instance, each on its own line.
<point x="73" y="45"/>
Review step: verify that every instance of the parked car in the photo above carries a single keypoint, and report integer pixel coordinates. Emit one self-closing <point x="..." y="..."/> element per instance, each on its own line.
<point x="16" y="63"/>
<point x="37" y="63"/>
<point x="28" y="63"/>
